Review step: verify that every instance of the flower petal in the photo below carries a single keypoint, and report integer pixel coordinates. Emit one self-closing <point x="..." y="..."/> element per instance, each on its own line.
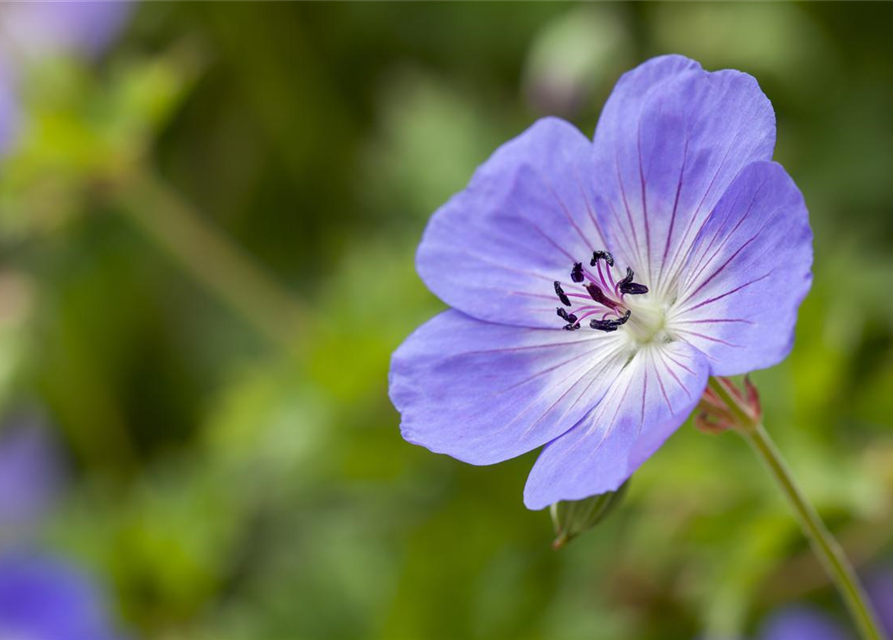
<point x="484" y="392"/>
<point x="671" y="139"/>
<point x="652" y="396"/>
<point x="747" y="274"/>
<point x="494" y="250"/>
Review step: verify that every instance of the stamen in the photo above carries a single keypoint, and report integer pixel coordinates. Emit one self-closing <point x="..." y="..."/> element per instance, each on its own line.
<point x="603" y="298"/>
<point x="561" y="294"/>
<point x="610" y="325"/>
<point x="628" y="286"/>
<point x="628" y="279"/>
<point x="592" y="312"/>
<point x="564" y="315"/>
<point x="634" y="289"/>
<point x="601" y="255"/>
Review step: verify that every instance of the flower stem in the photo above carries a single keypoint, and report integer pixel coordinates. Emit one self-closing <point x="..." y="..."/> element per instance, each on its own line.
<point x="823" y="543"/>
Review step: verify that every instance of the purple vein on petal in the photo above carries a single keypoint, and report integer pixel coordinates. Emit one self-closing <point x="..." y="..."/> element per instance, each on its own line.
<point x="675" y="208"/>
<point x="589" y="206"/>
<point x="630" y="252"/>
<point x="728" y="236"/>
<point x="721" y="268"/>
<point x="567" y="214"/>
<point x="667" y="355"/>
<point x="710" y="338"/>
<point x="512" y="292"/>
<point x="684" y="238"/>
<point x="714" y="321"/>
<point x="544" y="345"/>
<point x="550" y="240"/>
<point x="727" y="293"/>
<point x="644" y="196"/>
<point x="601" y="363"/>
<point x="629" y="215"/>
<point x="703" y="262"/>
<point x="660" y="383"/>
<point x="607" y="431"/>
<point x="499" y="265"/>
<point x="675" y="377"/>
<point x="548" y="370"/>
<point x="548" y="391"/>
<point x="644" y="395"/>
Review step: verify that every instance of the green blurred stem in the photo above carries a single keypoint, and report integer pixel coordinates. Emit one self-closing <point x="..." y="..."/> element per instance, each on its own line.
<point x="210" y="257"/>
<point x="823" y="543"/>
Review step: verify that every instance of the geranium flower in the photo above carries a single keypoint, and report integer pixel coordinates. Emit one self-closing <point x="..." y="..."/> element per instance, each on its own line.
<point x="596" y="285"/>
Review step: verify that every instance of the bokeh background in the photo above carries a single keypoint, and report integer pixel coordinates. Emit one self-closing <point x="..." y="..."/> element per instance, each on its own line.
<point x="208" y="215"/>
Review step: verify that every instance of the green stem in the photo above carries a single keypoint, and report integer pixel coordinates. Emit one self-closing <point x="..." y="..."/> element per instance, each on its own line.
<point x="210" y="258"/>
<point x="823" y="543"/>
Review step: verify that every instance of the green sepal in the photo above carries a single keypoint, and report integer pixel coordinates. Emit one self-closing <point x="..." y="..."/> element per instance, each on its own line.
<point x="573" y="517"/>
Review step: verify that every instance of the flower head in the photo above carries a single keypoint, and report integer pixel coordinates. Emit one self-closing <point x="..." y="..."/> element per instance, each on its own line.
<point x="597" y="284"/>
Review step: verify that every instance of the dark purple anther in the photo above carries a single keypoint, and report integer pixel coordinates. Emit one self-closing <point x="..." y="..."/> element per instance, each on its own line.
<point x="572" y="327"/>
<point x="602" y="255"/>
<point x="562" y="295"/>
<point x="627" y="279"/>
<point x="577" y="272"/>
<point x="628" y="286"/>
<point x="633" y="288"/>
<point x="610" y="325"/>
<point x="599" y="296"/>
<point x="564" y="315"/>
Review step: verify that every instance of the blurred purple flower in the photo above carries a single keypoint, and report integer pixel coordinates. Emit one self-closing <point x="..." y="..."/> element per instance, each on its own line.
<point x="802" y="623"/>
<point x="33" y="30"/>
<point x="69" y="26"/>
<point x="30" y="473"/>
<point x="46" y="599"/>
<point x="809" y="623"/>
<point x="671" y="237"/>
<point x="8" y="111"/>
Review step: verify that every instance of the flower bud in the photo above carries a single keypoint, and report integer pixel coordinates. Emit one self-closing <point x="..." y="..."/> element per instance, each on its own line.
<point x="725" y="406"/>
<point x="573" y="517"/>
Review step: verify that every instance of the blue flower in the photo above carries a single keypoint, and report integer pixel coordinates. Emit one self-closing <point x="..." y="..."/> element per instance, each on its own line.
<point x="46" y="599"/>
<point x="597" y="284"/>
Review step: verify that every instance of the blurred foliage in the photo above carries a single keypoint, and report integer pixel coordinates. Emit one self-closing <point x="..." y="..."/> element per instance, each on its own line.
<point x="229" y="488"/>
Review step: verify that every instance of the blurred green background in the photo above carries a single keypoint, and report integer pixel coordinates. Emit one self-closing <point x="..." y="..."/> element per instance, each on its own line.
<point x="207" y="240"/>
